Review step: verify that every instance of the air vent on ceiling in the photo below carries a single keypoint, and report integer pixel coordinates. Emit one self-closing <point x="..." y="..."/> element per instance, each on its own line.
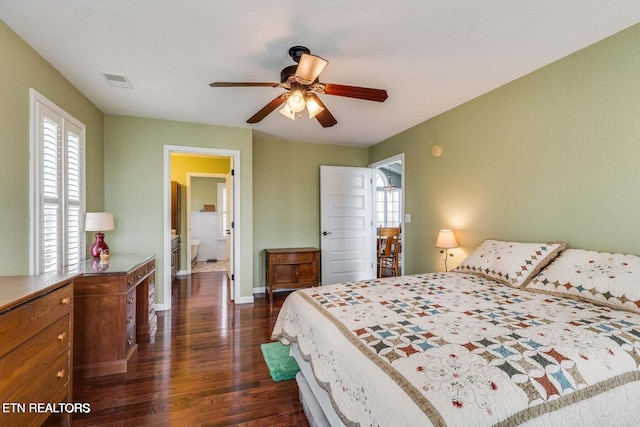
<point x="117" y="80"/>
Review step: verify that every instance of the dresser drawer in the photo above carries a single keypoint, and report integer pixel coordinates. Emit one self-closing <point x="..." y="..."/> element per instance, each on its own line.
<point x="151" y="265"/>
<point x="129" y="338"/>
<point x="47" y="352"/>
<point x="152" y="289"/>
<point x="48" y="386"/>
<point x="130" y="299"/>
<point x="292" y="258"/>
<point x="27" y="320"/>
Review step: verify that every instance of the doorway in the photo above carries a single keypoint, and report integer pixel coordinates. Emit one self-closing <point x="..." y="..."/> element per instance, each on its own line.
<point x="206" y="220"/>
<point x="234" y="231"/>
<point x="389" y="200"/>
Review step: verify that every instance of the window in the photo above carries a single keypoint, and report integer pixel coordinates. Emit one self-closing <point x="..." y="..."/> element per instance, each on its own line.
<point x="57" y="187"/>
<point x="387" y="202"/>
<point x="222" y="210"/>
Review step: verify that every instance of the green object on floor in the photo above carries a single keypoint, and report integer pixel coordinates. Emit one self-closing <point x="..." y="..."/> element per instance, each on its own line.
<point x="281" y="365"/>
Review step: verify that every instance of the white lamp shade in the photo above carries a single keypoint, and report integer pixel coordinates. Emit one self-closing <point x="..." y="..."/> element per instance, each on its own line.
<point x="288" y="112"/>
<point x="296" y="101"/>
<point x="446" y="240"/>
<point x="98" y="221"/>
<point x="313" y="107"/>
<point x="310" y="67"/>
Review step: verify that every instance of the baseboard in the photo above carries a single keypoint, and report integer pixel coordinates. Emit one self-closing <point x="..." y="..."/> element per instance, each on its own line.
<point x="162" y="307"/>
<point x="262" y="290"/>
<point x="243" y="300"/>
<point x="182" y="273"/>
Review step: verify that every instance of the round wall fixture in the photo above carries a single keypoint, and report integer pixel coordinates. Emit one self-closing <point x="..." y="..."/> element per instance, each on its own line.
<point x="436" y="151"/>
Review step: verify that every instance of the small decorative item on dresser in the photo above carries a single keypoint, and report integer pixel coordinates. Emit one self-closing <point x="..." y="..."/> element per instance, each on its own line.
<point x="99" y="221"/>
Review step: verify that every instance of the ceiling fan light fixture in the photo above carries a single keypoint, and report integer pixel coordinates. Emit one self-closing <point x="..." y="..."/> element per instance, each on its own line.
<point x="313" y="108"/>
<point x="310" y="67"/>
<point x="296" y="101"/>
<point x="288" y="112"/>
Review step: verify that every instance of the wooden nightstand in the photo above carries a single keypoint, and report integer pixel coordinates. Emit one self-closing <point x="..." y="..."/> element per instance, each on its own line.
<point x="292" y="268"/>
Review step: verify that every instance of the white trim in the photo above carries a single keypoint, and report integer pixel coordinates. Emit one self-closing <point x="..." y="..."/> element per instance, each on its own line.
<point x="36" y="102"/>
<point x="166" y="274"/>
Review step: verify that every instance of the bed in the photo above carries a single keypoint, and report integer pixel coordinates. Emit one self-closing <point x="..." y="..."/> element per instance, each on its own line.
<point x="519" y="334"/>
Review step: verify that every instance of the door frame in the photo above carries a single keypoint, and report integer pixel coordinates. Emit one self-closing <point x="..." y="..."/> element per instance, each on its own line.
<point x="166" y="184"/>
<point x="377" y="165"/>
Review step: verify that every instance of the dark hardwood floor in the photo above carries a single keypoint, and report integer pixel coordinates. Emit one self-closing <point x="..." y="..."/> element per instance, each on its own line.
<point x="205" y="368"/>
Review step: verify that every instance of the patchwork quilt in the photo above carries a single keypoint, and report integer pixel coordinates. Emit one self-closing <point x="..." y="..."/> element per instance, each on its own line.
<point x="459" y="350"/>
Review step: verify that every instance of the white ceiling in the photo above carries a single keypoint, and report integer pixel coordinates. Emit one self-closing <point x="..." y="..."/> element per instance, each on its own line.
<point x="430" y="55"/>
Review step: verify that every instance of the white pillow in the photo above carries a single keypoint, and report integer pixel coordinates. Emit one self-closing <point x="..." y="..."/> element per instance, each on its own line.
<point x="604" y="278"/>
<point x="512" y="263"/>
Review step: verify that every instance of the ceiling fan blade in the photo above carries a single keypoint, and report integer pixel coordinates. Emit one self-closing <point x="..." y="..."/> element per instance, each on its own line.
<point x="238" y="84"/>
<point x="379" y="95"/>
<point x="324" y="117"/>
<point x="267" y="109"/>
<point x="310" y="67"/>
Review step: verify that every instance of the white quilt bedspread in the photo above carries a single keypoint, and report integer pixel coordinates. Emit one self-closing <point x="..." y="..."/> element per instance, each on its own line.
<point x="459" y="350"/>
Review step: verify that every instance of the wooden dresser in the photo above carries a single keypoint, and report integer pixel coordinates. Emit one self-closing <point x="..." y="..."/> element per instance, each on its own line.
<point x="36" y="326"/>
<point x="114" y="311"/>
<point x="292" y="268"/>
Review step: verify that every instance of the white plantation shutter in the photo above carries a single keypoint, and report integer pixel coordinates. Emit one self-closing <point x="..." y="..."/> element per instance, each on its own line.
<point x="58" y="182"/>
<point x="74" y="199"/>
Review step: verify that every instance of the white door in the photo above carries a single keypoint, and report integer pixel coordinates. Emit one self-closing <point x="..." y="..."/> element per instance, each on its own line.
<point x="346" y="221"/>
<point x="229" y="231"/>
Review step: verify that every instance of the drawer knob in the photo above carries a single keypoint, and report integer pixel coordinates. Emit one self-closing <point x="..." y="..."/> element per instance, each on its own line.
<point x="130" y="300"/>
<point x="62" y="336"/>
<point x="61" y="373"/>
<point x="131" y="281"/>
<point x="65" y="301"/>
<point x="129" y="341"/>
<point x="130" y="320"/>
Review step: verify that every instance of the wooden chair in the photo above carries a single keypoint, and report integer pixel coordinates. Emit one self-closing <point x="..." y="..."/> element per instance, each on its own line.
<point x="388" y="251"/>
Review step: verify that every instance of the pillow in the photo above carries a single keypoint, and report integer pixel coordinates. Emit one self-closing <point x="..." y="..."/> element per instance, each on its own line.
<point x="604" y="278"/>
<point x="511" y="263"/>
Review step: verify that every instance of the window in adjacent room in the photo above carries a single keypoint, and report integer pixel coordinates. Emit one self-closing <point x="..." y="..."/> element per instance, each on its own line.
<point x="57" y="187"/>
<point x="222" y="210"/>
<point x="387" y="202"/>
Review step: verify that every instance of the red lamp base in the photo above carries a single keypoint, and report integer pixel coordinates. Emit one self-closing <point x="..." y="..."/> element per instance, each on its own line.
<point x="99" y="245"/>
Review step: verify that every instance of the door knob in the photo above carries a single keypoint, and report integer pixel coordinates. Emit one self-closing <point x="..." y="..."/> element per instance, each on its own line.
<point x="324" y="233"/>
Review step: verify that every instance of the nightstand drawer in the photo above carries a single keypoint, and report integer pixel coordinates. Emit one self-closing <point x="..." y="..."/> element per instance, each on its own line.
<point x="293" y="258"/>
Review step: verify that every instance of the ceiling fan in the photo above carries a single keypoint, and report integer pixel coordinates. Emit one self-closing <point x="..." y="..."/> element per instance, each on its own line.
<point x="302" y="84"/>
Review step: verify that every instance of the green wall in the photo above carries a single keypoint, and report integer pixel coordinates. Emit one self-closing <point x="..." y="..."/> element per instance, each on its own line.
<point x="204" y="191"/>
<point x="554" y="155"/>
<point x="22" y="68"/>
<point x="551" y="156"/>
<point x="286" y="193"/>
<point x="134" y="164"/>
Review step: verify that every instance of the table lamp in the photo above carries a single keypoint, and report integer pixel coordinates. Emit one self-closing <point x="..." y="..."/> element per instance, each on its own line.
<point x="99" y="221"/>
<point x="446" y="240"/>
